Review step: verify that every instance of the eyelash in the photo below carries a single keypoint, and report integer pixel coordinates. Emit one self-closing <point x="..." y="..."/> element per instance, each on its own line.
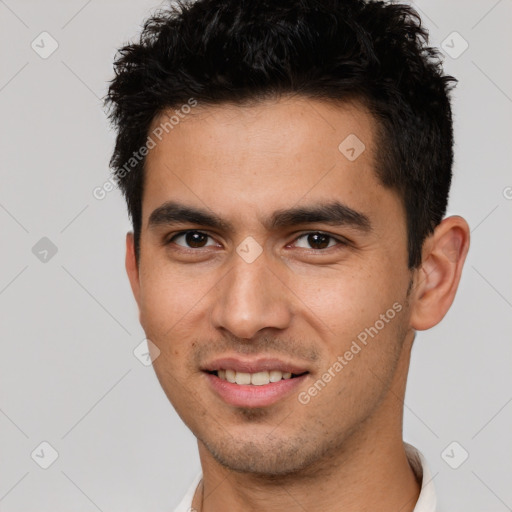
<point x="340" y="242"/>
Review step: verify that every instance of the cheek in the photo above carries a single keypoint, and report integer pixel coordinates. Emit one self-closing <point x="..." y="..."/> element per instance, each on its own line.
<point x="342" y="300"/>
<point x="347" y="304"/>
<point x="174" y="314"/>
<point x="163" y="309"/>
<point x="168" y="295"/>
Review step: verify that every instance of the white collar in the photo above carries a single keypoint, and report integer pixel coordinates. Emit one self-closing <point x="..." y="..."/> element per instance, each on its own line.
<point x="426" y="501"/>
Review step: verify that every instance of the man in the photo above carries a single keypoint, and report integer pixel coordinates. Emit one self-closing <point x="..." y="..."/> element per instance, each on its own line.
<point x="286" y="166"/>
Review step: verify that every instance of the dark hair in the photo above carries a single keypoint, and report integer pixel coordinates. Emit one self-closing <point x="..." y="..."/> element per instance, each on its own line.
<point x="243" y="51"/>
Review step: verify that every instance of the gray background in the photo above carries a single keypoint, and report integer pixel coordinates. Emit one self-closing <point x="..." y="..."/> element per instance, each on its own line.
<point x="69" y="325"/>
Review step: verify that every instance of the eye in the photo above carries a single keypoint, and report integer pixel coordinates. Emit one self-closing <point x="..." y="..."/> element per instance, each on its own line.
<point x="317" y="240"/>
<point x="192" y="239"/>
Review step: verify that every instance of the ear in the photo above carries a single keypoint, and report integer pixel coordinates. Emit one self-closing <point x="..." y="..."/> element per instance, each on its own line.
<point x="131" y="267"/>
<point x="437" y="279"/>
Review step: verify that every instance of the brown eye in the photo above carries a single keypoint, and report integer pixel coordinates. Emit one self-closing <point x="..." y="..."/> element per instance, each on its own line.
<point x="193" y="239"/>
<point x="318" y="241"/>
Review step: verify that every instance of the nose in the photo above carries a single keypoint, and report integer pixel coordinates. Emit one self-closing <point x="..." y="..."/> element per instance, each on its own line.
<point x="251" y="297"/>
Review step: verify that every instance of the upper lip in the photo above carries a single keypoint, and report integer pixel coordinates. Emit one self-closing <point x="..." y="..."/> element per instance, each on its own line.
<point x="253" y="365"/>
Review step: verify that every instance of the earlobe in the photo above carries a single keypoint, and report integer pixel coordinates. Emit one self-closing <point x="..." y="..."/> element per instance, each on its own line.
<point x="131" y="267"/>
<point x="437" y="279"/>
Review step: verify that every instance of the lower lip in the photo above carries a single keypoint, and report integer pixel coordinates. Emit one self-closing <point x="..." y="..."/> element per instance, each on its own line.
<point x="248" y="395"/>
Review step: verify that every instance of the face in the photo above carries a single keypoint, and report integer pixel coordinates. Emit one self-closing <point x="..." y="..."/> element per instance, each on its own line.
<point x="268" y="250"/>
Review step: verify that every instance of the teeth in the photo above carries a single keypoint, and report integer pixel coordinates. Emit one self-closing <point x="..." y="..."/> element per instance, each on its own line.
<point x="242" y="378"/>
<point x="256" y="379"/>
<point x="260" y="378"/>
<point x="276" y="375"/>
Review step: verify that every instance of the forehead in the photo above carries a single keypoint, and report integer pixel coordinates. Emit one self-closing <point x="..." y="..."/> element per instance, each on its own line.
<point x="290" y="124"/>
<point x="265" y="156"/>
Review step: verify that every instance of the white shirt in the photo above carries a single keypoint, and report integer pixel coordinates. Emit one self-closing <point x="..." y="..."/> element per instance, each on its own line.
<point x="426" y="501"/>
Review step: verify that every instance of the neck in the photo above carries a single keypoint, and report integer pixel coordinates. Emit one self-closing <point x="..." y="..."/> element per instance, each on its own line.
<point x="377" y="478"/>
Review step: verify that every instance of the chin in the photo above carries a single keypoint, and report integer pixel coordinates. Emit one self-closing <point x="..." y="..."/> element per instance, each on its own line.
<point x="268" y="457"/>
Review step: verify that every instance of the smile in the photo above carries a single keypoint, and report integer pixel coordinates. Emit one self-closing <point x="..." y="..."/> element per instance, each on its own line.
<point x="255" y="379"/>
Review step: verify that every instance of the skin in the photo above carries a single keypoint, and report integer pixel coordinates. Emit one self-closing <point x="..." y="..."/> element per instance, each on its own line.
<point x="343" y="450"/>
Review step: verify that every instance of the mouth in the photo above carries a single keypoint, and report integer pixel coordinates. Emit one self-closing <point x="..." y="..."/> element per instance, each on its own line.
<point x="254" y="383"/>
<point x="261" y="378"/>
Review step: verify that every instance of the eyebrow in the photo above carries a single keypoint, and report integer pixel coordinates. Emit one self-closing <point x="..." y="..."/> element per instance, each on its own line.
<point x="332" y="213"/>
